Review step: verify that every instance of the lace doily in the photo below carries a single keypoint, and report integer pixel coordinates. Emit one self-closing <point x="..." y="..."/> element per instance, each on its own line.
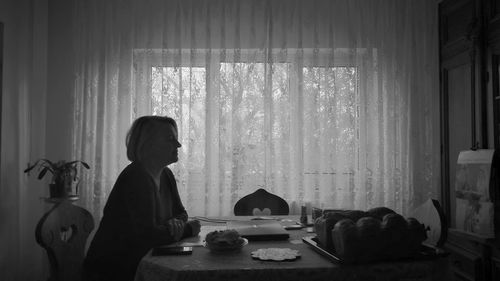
<point x="276" y="254"/>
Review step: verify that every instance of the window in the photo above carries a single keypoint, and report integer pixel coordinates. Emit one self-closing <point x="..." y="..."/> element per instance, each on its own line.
<point x="180" y="92"/>
<point x="246" y="123"/>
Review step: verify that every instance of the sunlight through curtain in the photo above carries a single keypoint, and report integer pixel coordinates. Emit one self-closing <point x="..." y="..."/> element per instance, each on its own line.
<point x="324" y="103"/>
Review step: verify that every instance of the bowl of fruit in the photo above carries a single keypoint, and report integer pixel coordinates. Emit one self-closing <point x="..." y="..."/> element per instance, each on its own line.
<point x="221" y="241"/>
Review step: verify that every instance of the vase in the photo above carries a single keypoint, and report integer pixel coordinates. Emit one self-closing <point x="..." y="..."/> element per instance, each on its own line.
<point x="59" y="190"/>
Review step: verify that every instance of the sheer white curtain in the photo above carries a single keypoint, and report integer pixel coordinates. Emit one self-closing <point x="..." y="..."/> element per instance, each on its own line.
<point x="326" y="102"/>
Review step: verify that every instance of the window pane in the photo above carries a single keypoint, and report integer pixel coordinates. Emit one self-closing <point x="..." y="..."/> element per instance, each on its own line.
<point x="180" y="92"/>
<point x="255" y="112"/>
<point x="261" y="129"/>
<point x="331" y="106"/>
<point x="330" y="129"/>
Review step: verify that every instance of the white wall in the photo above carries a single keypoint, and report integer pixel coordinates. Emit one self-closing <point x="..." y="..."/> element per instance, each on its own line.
<point x="23" y="137"/>
<point x="59" y="79"/>
<point x="36" y="123"/>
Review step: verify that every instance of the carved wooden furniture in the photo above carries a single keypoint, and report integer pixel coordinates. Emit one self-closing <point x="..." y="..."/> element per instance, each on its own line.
<point x="469" y="49"/>
<point x="63" y="233"/>
<point x="1" y="76"/>
<point x="259" y="203"/>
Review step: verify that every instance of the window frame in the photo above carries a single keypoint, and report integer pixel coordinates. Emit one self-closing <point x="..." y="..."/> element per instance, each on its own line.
<point x="316" y="57"/>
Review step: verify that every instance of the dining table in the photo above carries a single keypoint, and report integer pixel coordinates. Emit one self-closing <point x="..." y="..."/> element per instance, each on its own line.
<point x="205" y="265"/>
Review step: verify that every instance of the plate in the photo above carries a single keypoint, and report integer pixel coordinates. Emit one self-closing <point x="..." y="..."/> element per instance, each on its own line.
<point x="226" y="249"/>
<point x="427" y="252"/>
<point x="276" y="254"/>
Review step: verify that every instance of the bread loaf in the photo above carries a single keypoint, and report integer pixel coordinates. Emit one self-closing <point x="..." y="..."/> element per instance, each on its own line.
<point x="370" y="237"/>
<point x="323" y="227"/>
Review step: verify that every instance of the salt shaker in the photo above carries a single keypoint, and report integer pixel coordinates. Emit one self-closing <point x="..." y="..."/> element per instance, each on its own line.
<point x="303" y="215"/>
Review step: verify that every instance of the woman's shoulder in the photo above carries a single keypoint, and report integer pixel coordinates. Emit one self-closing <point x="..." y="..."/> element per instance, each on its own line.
<point x="133" y="167"/>
<point x="167" y="171"/>
<point x="133" y="172"/>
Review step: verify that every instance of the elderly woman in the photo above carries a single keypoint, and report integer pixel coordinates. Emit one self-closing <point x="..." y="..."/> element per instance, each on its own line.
<point x="144" y="209"/>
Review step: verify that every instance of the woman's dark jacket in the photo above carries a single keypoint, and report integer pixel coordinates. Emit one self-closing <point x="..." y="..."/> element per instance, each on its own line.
<point x="134" y="221"/>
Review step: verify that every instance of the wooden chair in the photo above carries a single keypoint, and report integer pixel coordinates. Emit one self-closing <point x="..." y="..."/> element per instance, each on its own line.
<point x="63" y="233"/>
<point x="261" y="203"/>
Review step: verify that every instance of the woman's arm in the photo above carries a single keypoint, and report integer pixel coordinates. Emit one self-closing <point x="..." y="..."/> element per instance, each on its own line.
<point x="178" y="210"/>
<point x="141" y="205"/>
<point x="191" y="228"/>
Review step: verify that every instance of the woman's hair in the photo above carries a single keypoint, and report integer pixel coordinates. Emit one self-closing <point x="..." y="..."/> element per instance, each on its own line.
<point x="143" y="129"/>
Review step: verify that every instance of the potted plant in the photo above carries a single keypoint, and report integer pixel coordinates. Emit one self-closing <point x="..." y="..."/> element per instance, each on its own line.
<point x="64" y="175"/>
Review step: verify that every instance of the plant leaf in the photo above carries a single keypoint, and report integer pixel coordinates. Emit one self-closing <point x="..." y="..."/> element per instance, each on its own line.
<point x="42" y="173"/>
<point x="61" y="167"/>
<point x="50" y="168"/>
<point x="48" y="161"/>
<point x="76" y="161"/>
<point x="27" y="170"/>
<point x="31" y="167"/>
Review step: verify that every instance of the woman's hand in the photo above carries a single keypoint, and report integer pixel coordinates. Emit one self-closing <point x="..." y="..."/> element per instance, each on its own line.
<point x="195" y="227"/>
<point x="176" y="228"/>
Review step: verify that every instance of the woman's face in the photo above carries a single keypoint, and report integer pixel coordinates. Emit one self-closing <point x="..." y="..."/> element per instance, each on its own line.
<point x="164" y="145"/>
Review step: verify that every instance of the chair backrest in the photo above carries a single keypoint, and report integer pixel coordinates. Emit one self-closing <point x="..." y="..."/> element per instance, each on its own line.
<point x="63" y="233"/>
<point x="260" y="203"/>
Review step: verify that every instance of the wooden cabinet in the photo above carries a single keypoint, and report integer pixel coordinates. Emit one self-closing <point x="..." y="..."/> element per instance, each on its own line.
<point x="456" y="96"/>
<point x="493" y="57"/>
<point x="1" y="87"/>
<point x="494" y="70"/>
<point x="470" y="256"/>
<point x="466" y="265"/>
<point x="460" y="70"/>
<point x="492" y="11"/>
<point x="456" y="22"/>
<point x="495" y="264"/>
<point x="469" y="47"/>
